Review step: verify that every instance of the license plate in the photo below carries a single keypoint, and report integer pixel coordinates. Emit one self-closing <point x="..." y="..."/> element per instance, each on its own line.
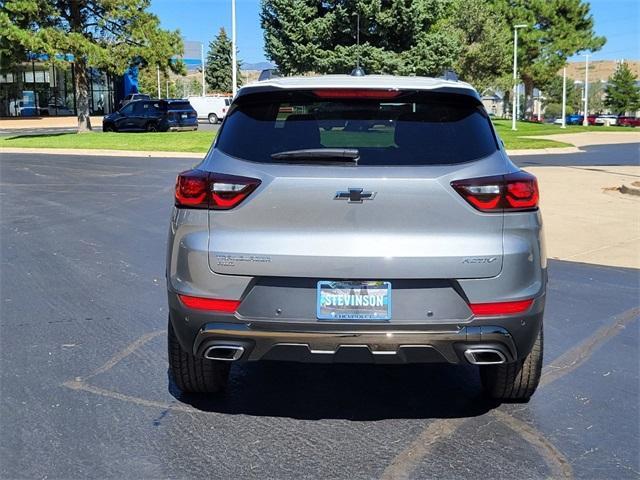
<point x="353" y="300"/>
<point x="184" y="115"/>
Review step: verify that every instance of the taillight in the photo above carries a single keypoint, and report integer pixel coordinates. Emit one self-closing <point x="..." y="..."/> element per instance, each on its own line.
<point x="210" y="304"/>
<point x="229" y="191"/>
<point x="199" y="189"/>
<point x="514" y="192"/>
<point x="500" y="308"/>
<point x="192" y="189"/>
<point x="356" y="93"/>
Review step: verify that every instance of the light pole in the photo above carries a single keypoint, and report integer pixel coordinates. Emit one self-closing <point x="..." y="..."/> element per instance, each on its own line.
<point x="234" y="60"/>
<point x="202" y="62"/>
<point x="564" y="98"/>
<point x="158" y="78"/>
<point x="514" y="108"/>
<point x="585" y="121"/>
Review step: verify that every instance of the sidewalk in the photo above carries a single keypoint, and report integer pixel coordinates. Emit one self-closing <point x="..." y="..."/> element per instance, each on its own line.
<point x="586" y="139"/>
<point x="583" y="139"/>
<point x="44" y="122"/>
<point x="102" y="153"/>
<point x="594" y="223"/>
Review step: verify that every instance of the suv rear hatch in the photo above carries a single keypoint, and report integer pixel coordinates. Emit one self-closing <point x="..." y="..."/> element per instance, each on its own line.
<point x="180" y="111"/>
<point x="390" y="213"/>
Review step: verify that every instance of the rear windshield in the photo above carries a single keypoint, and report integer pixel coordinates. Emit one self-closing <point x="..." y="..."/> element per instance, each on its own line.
<point x="177" y="106"/>
<point x="405" y="128"/>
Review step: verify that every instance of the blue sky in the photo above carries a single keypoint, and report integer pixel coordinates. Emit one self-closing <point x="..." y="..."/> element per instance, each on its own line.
<point x="200" y="20"/>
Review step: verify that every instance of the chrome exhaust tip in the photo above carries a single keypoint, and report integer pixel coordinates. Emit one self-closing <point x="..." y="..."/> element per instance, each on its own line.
<point x="224" y="353"/>
<point x="484" y="356"/>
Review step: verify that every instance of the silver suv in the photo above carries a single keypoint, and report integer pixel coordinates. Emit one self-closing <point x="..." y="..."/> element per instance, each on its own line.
<point x="357" y="219"/>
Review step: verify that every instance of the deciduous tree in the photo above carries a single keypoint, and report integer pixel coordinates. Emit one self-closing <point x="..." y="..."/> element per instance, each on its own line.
<point x="556" y="30"/>
<point x="484" y="43"/>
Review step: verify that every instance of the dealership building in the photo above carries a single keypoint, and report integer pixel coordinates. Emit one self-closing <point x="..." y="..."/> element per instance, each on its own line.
<point x="36" y="87"/>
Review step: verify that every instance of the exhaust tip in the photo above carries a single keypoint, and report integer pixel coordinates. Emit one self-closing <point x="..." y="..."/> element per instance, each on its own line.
<point x="484" y="356"/>
<point x="224" y="353"/>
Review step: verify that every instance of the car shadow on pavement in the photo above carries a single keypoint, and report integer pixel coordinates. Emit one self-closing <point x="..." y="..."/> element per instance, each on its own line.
<point x="352" y="392"/>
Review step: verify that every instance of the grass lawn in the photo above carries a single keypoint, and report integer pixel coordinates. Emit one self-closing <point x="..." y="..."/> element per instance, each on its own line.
<point x="518" y="139"/>
<point x="199" y="141"/>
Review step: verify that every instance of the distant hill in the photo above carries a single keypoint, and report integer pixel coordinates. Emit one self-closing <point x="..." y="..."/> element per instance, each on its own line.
<point x="599" y="70"/>
<point x="257" y="66"/>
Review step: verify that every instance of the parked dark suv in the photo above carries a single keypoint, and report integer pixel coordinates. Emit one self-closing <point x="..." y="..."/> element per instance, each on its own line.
<point x="152" y="116"/>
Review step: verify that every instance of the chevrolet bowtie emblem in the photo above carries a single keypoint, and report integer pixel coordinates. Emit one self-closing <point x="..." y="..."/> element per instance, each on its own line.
<point x="355" y="195"/>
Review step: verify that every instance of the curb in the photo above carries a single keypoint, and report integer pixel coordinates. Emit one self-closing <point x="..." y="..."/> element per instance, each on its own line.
<point x="104" y="153"/>
<point x="544" y="151"/>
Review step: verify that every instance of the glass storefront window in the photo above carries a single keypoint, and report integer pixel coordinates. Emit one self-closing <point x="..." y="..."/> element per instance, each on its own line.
<point x="38" y="89"/>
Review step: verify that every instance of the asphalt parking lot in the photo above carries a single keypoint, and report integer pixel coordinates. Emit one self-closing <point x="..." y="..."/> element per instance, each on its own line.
<point x="84" y="391"/>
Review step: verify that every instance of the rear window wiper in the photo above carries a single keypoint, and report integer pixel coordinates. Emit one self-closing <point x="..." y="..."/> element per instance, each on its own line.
<point x="319" y="155"/>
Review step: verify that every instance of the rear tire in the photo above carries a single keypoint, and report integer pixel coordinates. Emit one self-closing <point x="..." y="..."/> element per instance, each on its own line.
<point x="152" y="127"/>
<point x="192" y="374"/>
<point x="213" y="118"/>
<point x="516" y="381"/>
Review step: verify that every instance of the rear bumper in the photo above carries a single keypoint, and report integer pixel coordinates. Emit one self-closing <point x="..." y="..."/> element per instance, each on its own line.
<point x="390" y="346"/>
<point x="182" y="128"/>
<point x="330" y="342"/>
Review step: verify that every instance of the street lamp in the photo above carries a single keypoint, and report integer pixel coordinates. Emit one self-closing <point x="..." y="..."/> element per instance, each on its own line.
<point x="585" y="120"/>
<point x="234" y="60"/>
<point x="514" y="108"/>
<point x="203" y="72"/>
<point x="564" y="98"/>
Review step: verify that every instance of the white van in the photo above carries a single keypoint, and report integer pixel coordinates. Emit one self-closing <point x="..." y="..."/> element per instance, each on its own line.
<point x="212" y="108"/>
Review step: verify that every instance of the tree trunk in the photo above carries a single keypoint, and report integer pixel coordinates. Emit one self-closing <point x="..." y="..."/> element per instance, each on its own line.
<point x="528" y="96"/>
<point x="82" y="94"/>
<point x="507" y="104"/>
<point x="80" y="71"/>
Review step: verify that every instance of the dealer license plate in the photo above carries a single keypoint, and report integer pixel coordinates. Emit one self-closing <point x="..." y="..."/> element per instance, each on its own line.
<point x="339" y="300"/>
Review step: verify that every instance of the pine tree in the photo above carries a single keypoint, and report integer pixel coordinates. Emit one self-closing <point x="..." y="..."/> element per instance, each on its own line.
<point x="396" y="36"/>
<point x="218" y="69"/>
<point x="622" y="92"/>
<point x="107" y="34"/>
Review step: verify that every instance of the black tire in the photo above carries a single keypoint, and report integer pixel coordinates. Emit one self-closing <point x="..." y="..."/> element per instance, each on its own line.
<point x="152" y="127"/>
<point x="516" y="381"/>
<point x="192" y="374"/>
<point x="213" y="118"/>
<point x="107" y="128"/>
